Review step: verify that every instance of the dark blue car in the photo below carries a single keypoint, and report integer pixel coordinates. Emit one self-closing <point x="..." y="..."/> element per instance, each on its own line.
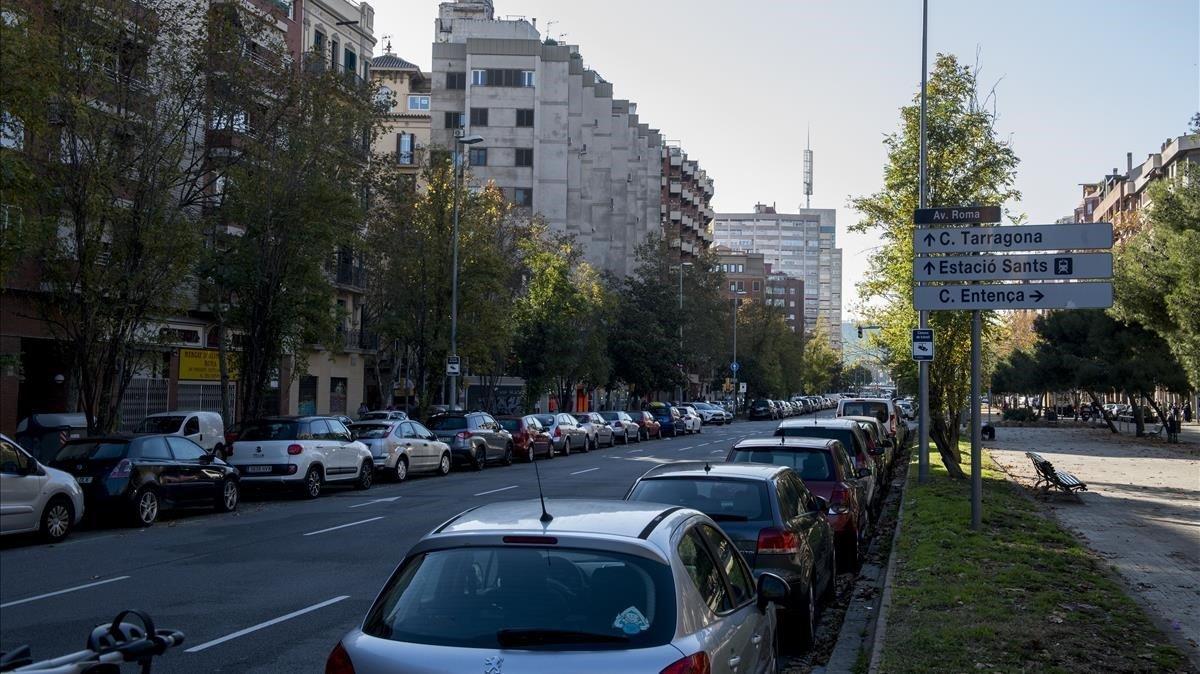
<point x="669" y="416"/>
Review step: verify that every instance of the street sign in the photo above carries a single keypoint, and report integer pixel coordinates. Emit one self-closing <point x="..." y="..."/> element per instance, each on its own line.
<point x="1005" y="239"/>
<point x="957" y="215"/>
<point x="735" y="366"/>
<point x="742" y="387"/>
<point x="453" y="366"/>
<point x="993" y="296"/>
<point x="1014" y="267"/>
<point x="922" y="344"/>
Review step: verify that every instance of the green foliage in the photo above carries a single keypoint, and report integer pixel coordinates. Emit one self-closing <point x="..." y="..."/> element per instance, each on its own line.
<point x="820" y="364"/>
<point x="967" y="164"/>
<point x="857" y="375"/>
<point x="1020" y="414"/>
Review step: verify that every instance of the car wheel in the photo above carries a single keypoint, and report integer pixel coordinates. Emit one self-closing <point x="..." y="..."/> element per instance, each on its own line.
<point x="529" y="457"/>
<point x="366" y="476"/>
<point x="145" y="507"/>
<point x="444" y="465"/>
<point x="804" y="620"/>
<point x="848" y="553"/>
<point x="587" y="445"/>
<point x="57" y="519"/>
<point x="401" y="470"/>
<point x="480" y="459"/>
<point x="625" y="438"/>
<point x="508" y="454"/>
<point x="566" y="448"/>
<point x="227" y="502"/>
<point x="550" y="454"/>
<point x="830" y="593"/>
<point x="313" y="482"/>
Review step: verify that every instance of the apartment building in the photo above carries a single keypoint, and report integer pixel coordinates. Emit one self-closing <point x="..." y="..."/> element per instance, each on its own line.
<point x="342" y="32"/>
<point x="686" y="193"/>
<point x="745" y="275"/>
<point x="1120" y="198"/>
<point x="787" y="294"/>
<point x="555" y="140"/>
<point x="405" y="90"/>
<point x="802" y="245"/>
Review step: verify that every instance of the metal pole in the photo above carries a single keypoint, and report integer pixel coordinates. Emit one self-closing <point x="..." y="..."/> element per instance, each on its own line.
<point x="976" y="458"/>
<point x="454" y="276"/>
<point x="735" y="372"/>
<point x="922" y="189"/>
<point x="678" y="393"/>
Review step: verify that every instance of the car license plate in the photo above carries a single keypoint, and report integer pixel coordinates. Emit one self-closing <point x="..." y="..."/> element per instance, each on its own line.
<point x="84" y="480"/>
<point x="258" y="469"/>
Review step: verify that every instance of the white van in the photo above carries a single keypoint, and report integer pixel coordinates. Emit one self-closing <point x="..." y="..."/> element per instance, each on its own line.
<point x="204" y="428"/>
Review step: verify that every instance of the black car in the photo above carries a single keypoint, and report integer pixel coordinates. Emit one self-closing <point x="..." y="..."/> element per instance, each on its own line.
<point x="763" y="409"/>
<point x="774" y="520"/>
<point x="136" y="477"/>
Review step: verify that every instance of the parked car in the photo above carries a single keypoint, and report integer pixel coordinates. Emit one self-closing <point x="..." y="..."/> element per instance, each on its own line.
<point x="773" y="519"/>
<point x="384" y="415"/>
<point x="879" y="445"/>
<point x="602" y="586"/>
<point x="565" y="432"/>
<point x="712" y="414"/>
<point x="474" y="438"/>
<point x="668" y="417"/>
<point x="303" y="453"/>
<point x="623" y="426"/>
<point x="907" y="409"/>
<point x="853" y="439"/>
<point x="691" y="419"/>
<point x="598" y="430"/>
<point x="43" y="434"/>
<point x="648" y="425"/>
<point x="825" y="468"/>
<point x="206" y="429"/>
<point x="763" y="409"/>
<point x="138" y="476"/>
<point x="881" y="408"/>
<point x="529" y="437"/>
<point x="401" y="447"/>
<point x="34" y="497"/>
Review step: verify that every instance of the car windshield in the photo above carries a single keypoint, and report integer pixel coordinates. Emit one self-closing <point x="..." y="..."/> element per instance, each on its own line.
<point x="159" y="425"/>
<point x="583" y="418"/>
<point x="865" y="409"/>
<point x="270" y="430"/>
<point x="545" y="419"/>
<point x="96" y="451"/>
<point x="510" y="425"/>
<point x="451" y="423"/>
<point x="724" y="500"/>
<point x="812" y="464"/>
<point x="370" y="431"/>
<point x="611" y="416"/>
<point x="525" y="597"/>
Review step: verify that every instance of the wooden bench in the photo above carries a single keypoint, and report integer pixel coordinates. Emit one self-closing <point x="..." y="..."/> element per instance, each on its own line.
<point x="1048" y="478"/>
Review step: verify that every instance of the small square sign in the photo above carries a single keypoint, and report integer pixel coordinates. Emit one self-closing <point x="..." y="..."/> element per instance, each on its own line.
<point x="922" y="344"/>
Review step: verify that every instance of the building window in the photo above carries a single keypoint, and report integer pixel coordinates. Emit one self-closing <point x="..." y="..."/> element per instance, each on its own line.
<point x="307" y="403"/>
<point x="337" y="395"/>
<point x="525" y="117"/>
<point x="741" y="268"/>
<point x="755" y="286"/>
<point x="502" y="77"/>
<point x="479" y="116"/>
<point x="478" y="156"/>
<point x="741" y="286"/>
<point x="479" y="78"/>
<point x="404" y="149"/>
<point x="527" y="78"/>
<point x="418" y="102"/>
<point x="454" y="120"/>
<point x="523" y="196"/>
<point x="350" y="61"/>
<point x="456" y="80"/>
<point x="319" y="41"/>
<point x="333" y="54"/>
<point x="524" y="156"/>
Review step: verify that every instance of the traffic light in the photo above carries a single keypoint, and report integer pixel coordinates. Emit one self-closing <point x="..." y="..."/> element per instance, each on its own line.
<point x="860" y="332"/>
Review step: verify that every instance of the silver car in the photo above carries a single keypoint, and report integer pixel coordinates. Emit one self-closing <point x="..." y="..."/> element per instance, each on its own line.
<point x="565" y="432"/>
<point x="593" y="586"/>
<point x="600" y="433"/>
<point x="398" y="448"/>
<point x="623" y="426"/>
<point x="34" y="497"/>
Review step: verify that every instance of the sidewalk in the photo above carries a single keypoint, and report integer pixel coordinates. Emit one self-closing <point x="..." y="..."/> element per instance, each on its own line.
<point x="1141" y="511"/>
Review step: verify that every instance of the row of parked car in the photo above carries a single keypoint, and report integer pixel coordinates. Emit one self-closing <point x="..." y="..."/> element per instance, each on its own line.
<point x="702" y="567"/>
<point x="187" y="459"/>
<point x="766" y="408"/>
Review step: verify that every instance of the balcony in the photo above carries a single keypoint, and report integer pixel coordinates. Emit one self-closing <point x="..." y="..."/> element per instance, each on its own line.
<point x="676" y="188"/>
<point x="676" y="215"/>
<point x="315" y="64"/>
<point x="350" y="276"/>
<point x="358" y="340"/>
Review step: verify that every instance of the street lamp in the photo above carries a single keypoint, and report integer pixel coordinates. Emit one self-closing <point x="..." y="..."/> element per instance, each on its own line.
<point x="460" y="140"/>
<point x="735" y="366"/>
<point x="681" y="265"/>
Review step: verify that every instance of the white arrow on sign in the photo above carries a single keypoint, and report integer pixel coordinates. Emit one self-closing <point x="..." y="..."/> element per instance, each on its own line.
<point x="1032" y="267"/>
<point x="1014" y="296"/>
<point x="1019" y="238"/>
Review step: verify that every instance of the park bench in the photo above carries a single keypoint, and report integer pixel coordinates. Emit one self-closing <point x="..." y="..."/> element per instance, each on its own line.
<point x="1048" y="478"/>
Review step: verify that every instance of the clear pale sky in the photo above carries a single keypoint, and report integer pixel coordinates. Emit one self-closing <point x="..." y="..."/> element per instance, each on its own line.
<point x="1080" y="83"/>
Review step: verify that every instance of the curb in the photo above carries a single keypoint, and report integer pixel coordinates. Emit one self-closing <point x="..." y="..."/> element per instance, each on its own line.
<point x="885" y="601"/>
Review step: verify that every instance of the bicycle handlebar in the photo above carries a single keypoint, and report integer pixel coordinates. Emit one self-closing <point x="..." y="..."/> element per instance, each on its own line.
<point x="114" y="643"/>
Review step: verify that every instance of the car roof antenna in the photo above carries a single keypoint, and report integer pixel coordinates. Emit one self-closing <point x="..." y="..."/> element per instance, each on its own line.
<point x="546" y="516"/>
<point x="707" y="466"/>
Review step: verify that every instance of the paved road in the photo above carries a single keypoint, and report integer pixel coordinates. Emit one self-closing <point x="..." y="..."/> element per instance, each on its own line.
<point x="272" y="587"/>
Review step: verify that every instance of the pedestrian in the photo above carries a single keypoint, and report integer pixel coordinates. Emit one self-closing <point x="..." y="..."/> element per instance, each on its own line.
<point x="1187" y="411"/>
<point x="363" y="409"/>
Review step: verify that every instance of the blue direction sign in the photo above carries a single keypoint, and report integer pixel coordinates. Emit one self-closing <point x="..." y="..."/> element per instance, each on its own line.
<point x="735" y="366"/>
<point x="922" y="344"/>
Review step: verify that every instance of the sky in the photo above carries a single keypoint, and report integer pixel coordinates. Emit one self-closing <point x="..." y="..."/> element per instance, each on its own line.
<point x="1078" y="83"/>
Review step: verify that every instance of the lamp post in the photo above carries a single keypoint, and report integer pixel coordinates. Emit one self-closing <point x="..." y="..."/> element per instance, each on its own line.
<point x="735" y="366"/>
<point x="681" y="265"/>
<point x="460" y="141"/>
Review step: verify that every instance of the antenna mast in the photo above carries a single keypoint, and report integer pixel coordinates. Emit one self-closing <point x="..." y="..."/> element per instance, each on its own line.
<point x="808" y="170"/>
<point x="546" y="516"/>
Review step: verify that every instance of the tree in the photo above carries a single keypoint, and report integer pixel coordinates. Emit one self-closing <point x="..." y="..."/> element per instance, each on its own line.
<point x="967" y="164"/>
<point x="857" y="375"/>
<point x="644" y="337"/>
<point x="821" y="362"/>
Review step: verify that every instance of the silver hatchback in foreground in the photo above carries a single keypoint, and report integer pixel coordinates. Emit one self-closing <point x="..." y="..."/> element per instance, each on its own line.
<point x="601" y="586"/>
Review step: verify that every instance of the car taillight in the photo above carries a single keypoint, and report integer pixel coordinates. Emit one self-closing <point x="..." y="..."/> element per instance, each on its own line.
<point x="295" y="449"/>
<point x="777" y="542"/>
<point x="339" y="661"/>
<point x="696" y="663"/>
<point x="837" y="501"/>
<point x="558" y="431"/>
<point x="122" y="469"/>
<point x="462" y="435"/>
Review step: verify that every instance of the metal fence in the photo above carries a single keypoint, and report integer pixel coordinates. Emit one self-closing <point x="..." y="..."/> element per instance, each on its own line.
<point x="144" y="396"/>
<point x="207" y="398"/>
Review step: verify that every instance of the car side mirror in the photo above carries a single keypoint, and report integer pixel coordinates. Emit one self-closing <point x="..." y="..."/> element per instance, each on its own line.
<point x="771" y="590"/>
<point x="822" y="503"/>
<point x="206" y="458"/>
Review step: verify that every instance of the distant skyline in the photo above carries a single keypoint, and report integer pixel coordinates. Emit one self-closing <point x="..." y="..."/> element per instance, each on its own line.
<point x="1078" y="84"/>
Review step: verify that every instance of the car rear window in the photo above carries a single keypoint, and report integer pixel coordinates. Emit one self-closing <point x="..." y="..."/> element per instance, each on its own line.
<point x="583" y="418"/>
<point x="271" y="430"/>
<point x="96" y="451"/>
<point x="545" y="419"/>
<point x="448" y="423"/>
<point x="159" y="425"/>
<point x="370" y="431"/>
<point x="724" y="500"/>
<point x="865" y="409"/>
<point x="529" y="598"/>
<point x="611" y="416"/>
<point x="510" y="425"/>
<point x="814" y="465"/>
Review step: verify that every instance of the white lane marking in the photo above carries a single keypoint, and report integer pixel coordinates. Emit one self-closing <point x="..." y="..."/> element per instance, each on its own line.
<point x="263" y="625"/>
<point x="636" y="450"/>
<point x="69" y="589"/>
<point x="683" y="448"/>
<point x="493" y="491"/>
<point x="719" y="451"/>
<point x="581" y="472"/>
<point x="343" y="526"/>
<point x="377" y="500"/>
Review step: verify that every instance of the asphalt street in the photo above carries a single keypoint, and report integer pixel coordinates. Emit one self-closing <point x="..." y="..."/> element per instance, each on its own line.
<point x="272" y="587"/>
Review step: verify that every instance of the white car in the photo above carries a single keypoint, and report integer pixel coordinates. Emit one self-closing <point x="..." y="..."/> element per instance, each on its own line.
<point x="692" y="422"/>
<point x="34" y="497"/>
<point x="304" y="452"/>
<point x="206" y="429"/>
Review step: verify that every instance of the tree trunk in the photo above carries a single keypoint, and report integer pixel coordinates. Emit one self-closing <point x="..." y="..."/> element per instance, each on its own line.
<point x="224" y="367"/>
<point x="945" y="437"/>
<point x="1158" y="410"/>
<point x="1139" y="424"/>
<point x="1103" y="414"/>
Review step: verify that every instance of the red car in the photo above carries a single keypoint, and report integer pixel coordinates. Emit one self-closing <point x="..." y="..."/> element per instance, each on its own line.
<point x="648" y="426"/>
<point x="827" y="471"/>
<point x="529" y="437"/>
